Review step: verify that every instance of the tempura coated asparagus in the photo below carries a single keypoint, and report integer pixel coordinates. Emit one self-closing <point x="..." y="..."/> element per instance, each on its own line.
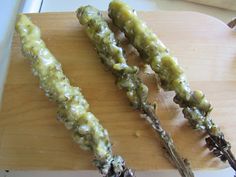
<point x="195" y="106"/>
<point x="72" y="106"/>
<point x="112" y="57"/>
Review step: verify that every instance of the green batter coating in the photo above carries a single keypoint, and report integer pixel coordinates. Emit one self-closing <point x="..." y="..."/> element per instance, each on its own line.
<point x="113" y="58"/>
<point x="72" y="106"/>
<point x="195" y="106"/>
<point x="112" y="55"/>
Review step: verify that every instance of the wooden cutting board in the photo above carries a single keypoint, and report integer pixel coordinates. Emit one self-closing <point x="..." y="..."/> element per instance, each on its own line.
<point x="32" y="138"/>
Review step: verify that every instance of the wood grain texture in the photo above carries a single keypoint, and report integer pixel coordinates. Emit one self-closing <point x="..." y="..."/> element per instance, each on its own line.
<point x="32" y="138"/>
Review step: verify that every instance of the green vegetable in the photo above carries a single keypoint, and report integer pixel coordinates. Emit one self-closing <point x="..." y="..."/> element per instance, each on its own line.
<point x="72" y="106"/>
<point x="154" y="52"/>
<point x="112" y="56"/>
<point x="195" y="106"/>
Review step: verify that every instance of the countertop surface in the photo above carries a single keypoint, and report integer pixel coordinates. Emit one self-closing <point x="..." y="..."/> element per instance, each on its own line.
<point x="141" y="5"/>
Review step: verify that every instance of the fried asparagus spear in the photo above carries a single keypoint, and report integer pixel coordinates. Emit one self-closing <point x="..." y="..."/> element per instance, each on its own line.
<point x="72" y="106"/>
<point x="195" y="106"/>
<point x="112" y="57"/>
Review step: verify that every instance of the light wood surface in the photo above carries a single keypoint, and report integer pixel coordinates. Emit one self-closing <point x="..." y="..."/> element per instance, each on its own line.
<point x="32" y="138"/>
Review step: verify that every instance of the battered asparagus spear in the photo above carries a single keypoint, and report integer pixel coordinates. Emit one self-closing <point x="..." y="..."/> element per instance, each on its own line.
<point x="112" y="57"/>
<point x="195" y="106"/>
<point x="72" y="106"/>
